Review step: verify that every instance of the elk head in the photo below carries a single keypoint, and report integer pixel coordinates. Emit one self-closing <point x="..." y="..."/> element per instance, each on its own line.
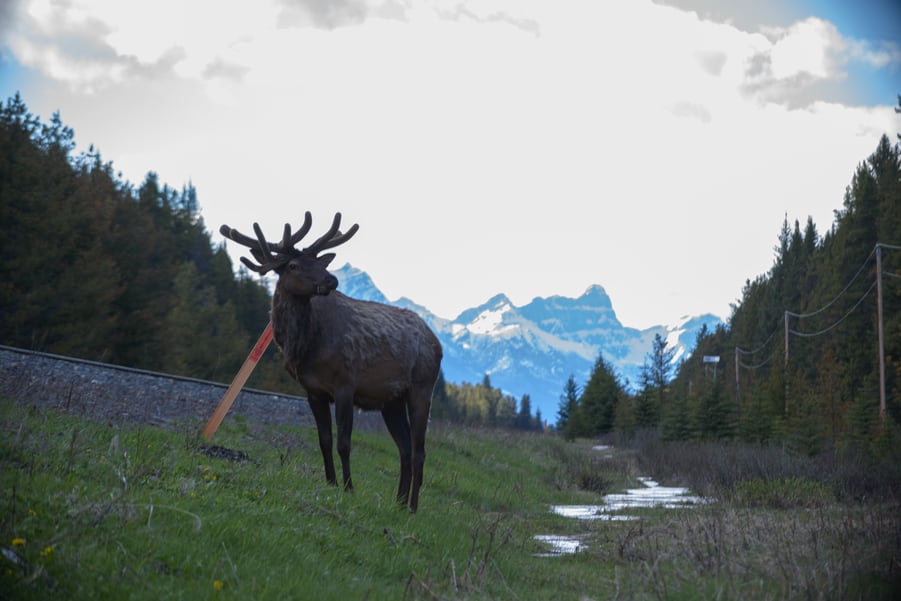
<point x="300" y="272"/>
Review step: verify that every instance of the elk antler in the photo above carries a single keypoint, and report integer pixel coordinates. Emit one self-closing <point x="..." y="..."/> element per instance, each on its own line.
<point x="332" y="238"/>
<point x="272" y="256"/>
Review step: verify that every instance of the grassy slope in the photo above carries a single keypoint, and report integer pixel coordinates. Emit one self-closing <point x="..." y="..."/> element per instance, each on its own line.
<point x="92" y="511"/>
<point x="141" y="512"/>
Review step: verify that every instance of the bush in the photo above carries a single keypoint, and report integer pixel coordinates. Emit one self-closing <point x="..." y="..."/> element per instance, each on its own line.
<point x="781" y="493"/>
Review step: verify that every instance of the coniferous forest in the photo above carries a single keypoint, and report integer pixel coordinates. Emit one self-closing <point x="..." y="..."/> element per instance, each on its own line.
<point x="800" y="356"/>
<point x="798" y="362"/>
<point x="97" y="268"/>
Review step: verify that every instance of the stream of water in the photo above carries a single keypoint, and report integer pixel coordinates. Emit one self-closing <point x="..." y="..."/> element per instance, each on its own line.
<point x="615" y="507"/>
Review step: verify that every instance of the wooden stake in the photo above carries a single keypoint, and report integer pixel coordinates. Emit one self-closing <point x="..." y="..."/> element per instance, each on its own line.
<point x="238" y="383"/>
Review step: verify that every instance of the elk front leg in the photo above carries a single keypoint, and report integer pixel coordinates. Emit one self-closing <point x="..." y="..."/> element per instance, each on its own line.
<point x="323" y="417"/>
<point x="344" y="418"/>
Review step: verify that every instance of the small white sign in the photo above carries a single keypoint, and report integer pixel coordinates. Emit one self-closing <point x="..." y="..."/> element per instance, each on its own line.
<point x="711" y="359"/>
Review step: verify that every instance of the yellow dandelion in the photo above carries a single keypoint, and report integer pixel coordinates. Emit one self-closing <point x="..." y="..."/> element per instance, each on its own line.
<point x="47" y="552"/>
<point x="18" y="541"/>
<point x="217" y="584"/>
<point x="33" y="513"/>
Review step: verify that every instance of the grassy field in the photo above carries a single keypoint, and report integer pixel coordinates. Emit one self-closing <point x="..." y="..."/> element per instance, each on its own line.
<point x="93" y="511"/>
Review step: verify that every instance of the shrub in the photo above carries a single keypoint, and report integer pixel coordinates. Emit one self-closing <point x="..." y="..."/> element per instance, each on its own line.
<point x="781" y="493"/>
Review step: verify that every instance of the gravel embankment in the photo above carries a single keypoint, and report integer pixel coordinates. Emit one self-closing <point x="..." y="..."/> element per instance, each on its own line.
<point x="119" y="394"/>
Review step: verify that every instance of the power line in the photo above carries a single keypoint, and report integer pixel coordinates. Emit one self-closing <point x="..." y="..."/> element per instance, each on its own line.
<point x="843" y="318"/>
<point x="788" y="331"/>
<point x="830" y="303"/>
<point x="759" y="348"/>
<point x="758" y="365"/>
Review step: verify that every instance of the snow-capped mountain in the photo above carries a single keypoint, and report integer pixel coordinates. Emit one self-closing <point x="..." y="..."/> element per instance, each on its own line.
<point x="534" y="348"/>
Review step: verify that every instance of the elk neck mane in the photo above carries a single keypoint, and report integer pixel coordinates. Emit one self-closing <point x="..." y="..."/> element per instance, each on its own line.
<point x="363" y="330"/>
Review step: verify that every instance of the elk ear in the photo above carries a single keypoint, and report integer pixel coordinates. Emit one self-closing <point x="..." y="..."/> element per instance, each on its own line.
<point x="326" y="259"/>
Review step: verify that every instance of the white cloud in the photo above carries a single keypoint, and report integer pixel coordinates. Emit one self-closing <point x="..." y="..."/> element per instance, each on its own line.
<point x="878" y="55"/>
<point x="531" y="148"/>
<point x="807" y="47"/>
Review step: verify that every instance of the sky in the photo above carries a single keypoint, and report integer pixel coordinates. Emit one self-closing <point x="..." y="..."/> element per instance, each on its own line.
<point x="525" y="147"/>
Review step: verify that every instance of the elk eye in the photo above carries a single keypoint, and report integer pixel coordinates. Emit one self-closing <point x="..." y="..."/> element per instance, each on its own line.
<point x="293" y="266"/>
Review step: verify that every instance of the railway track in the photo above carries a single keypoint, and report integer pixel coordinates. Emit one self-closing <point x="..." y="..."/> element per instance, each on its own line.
<point x="117" y="394"/>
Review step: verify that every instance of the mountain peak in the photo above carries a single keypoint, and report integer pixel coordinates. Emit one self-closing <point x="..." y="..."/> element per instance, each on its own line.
<point x="595" y="290"/>
<point x="356" y="283"/>
<point x="498" y="300"/>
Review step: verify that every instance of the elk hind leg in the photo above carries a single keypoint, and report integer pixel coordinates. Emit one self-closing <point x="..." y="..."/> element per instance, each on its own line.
<point x="418" y="408"/>
<point x="395" y="416"/>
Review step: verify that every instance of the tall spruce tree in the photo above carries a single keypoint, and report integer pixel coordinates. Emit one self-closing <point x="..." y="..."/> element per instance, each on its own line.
<point x="596" y="408"/>
<point x="569" y="400"/>
<point x="655" y="376"/>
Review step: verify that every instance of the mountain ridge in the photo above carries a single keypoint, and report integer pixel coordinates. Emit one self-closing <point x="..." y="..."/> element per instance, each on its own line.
<point x="534" y="348"/>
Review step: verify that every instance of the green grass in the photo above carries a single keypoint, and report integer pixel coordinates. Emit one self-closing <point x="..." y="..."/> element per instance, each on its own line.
<point x="89" y="510"/>
<point x="142" y="512"/>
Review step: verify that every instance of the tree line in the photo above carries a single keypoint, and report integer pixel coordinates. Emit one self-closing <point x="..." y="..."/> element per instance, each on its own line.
<point x="798" y="361"/>
<point x="483" y="405"/>
<point x="96" y="268"/>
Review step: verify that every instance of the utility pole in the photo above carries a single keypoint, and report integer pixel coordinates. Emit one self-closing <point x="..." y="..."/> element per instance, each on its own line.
<point x="737" y="389"/>
<point x="785" y="368"/>
<point x="879" y="328"/>
<point x="785" y="321"/>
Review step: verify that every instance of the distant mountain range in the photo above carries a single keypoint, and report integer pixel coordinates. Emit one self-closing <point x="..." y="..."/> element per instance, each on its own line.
<point x="533" y="349"/>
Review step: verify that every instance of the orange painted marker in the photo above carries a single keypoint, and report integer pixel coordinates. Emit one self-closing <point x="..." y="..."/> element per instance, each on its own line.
<point x="238" y="383"/>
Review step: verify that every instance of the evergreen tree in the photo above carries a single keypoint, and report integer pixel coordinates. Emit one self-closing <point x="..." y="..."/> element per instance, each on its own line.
<point x="714" y="420"/>
<point x="569" y="400"/>
<point x="596" y="406"/>
<point x="655" y="376"/>
<point x="524" y="417"/>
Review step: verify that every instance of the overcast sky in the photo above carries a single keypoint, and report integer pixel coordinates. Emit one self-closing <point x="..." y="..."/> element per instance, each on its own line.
<point x="526" y="147"/>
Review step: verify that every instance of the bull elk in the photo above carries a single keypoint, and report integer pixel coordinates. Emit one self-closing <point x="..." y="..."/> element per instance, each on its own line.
<point x="347" y="351"/>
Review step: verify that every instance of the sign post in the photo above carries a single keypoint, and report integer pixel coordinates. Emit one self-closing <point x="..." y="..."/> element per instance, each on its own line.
<point x="238" y="383"/>
<point x="711" y="359"/>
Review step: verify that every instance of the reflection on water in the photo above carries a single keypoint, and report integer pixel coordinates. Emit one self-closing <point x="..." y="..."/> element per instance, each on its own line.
<point x="590" y="512"/>
<point x="650" y="495"/>
<point x="613" y="508"/>
<point x="559" y="545"/>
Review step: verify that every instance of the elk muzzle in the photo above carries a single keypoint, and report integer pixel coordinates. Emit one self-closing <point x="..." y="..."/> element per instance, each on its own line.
<point x="330" y="284"/>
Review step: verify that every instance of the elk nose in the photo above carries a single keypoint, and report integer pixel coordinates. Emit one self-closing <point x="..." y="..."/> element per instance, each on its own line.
<point x="331" y="282"/>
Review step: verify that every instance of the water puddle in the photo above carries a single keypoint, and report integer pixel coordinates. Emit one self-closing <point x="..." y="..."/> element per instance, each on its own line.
<point x="614" y="508"/>
<point x="559" y="545"/>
